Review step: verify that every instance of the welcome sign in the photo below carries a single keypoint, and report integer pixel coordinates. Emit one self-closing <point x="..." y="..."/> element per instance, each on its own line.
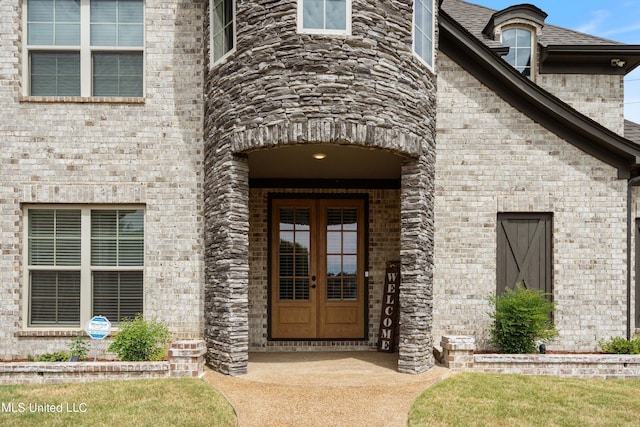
<point x="389" y="316"/>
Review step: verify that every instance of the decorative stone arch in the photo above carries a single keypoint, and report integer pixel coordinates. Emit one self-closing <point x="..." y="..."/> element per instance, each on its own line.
<point x="227" y="241"/>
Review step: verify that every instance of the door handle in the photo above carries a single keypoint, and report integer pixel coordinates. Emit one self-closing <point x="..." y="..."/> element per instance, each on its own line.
<point x="313" y="278"/>
<point x="313" y="286"/>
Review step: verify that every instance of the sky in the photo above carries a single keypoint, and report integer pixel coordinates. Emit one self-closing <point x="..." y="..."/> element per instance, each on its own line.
<point x="617" y="20"/>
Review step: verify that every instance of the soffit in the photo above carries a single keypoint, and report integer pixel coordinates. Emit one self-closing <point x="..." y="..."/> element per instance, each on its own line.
<point x="341" y="162"/>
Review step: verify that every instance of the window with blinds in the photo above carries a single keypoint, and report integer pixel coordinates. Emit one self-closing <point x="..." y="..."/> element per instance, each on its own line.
<point x="85" y="47"/>
<point x="77" y="255"/>
<point x="117" y="254"/>
<point x="55" y="262"/>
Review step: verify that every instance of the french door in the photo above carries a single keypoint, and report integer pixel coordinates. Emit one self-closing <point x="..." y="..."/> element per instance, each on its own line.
<point x="317" y="269"/>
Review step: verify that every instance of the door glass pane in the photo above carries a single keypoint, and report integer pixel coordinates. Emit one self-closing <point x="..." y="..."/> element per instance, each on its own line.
<point x="334" y="242"/>
<point x="302" y="289"/>
<point x="349" y="265"/>
<point x="286" y="242"/>
<point x="350" y="242"/>
<point x="350" y="287"/>
<point x="334" y="288"/>
<point x="342" y="253"/>
<point x="294" y="253"/>
<point x="334" y="265"/>
<point x="334" y="219"/>
<point x="350" y="219"/>
<point x="286" y="289"/>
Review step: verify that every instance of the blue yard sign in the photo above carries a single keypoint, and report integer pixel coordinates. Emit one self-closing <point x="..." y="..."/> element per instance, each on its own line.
<point x="98" y="327"/>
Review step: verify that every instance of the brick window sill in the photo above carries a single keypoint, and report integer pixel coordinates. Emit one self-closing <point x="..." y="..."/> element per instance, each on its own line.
<point x="83" y="100"/>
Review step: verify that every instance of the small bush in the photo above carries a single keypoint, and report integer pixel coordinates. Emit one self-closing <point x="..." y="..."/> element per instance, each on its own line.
<point x="521" y="318"/>
<point x="60" y="356"/>
<point x="619" y="345"/>
<point x="79" y="347"/>
<point x="141" y="340"/>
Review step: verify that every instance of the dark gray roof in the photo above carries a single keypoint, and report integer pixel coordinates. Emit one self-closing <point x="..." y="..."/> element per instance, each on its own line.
<point x="544" y="108"/>
<point x="632" y="131"/>
<point x="475" y="17"/>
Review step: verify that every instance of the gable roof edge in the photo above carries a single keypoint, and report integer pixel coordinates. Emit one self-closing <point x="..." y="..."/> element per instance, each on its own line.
<point x="529" y="98"/>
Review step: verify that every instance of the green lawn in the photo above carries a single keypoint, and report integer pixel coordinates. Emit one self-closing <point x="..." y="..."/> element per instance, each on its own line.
<point x="162" y="402"/>
<point x="517" y="400"/>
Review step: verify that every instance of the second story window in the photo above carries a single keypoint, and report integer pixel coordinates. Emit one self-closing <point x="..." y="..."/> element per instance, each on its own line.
<point x="85" y="47"/>
<point x="520" y="45"/>
<point x="222" y="28"/>
<point x="423" y="30"/>
<point x="324" y="16"/>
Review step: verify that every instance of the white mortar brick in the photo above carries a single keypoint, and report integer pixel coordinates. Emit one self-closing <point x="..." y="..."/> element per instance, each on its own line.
<point x="499" y="160"/>
<point x="146" y="153"/>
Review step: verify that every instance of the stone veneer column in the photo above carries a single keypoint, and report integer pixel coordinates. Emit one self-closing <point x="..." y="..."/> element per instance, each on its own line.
<point x="416" y="252"/>
<point x="227" y="261"/>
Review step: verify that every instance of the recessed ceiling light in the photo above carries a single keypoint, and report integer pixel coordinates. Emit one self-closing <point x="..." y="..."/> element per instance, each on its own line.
<point x="319" y="156"/>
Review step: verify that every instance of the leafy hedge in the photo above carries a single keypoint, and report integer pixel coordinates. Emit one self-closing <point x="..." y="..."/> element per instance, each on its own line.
<point x="521" y="319"/>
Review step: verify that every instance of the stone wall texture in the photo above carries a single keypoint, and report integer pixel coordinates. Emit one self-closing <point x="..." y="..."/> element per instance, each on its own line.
<point x="491" y="159"/>
<point x="147" y="152"/>
<point x="280" y="87"/>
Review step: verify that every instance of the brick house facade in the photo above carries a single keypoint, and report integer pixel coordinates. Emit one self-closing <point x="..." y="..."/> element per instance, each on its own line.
<point x="429" y="147"/>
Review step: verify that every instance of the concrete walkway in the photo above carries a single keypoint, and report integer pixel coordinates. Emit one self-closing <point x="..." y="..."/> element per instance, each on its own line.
<point x="323" y="389"/>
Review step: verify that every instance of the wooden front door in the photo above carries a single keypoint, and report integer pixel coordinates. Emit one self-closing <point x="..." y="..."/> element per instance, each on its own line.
<point x="317" y="269"/>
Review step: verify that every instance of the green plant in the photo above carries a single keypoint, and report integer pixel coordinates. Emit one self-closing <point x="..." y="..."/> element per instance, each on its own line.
<point x="79" y="347"/>
<point x="141" y="340"/>
<point x="60" y="356"/>
<point x="521" y="318"/>
<point x="619" y="345"/>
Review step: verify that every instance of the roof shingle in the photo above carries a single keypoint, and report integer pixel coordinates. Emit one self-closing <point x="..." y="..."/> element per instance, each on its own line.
<point x="475" y="17"/>
<point x="632" y="131"/>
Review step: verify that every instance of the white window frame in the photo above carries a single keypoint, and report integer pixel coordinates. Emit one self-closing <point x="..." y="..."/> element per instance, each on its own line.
<point x="85" y="268"/>
<point x="86" y="53"/>
<point x="321" y="31"/>
<point x="533" y="40"/>
<point x="431" y="63"/>
<point x="212" y="31"/>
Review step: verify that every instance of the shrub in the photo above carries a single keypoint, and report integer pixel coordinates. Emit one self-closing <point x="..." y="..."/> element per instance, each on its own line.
<point x="60" y="356"/>
<point x="79" y="347"/>
<point x="521" y="318"/>
<point x="141" y="340"/>
<point x="619" y="345"/>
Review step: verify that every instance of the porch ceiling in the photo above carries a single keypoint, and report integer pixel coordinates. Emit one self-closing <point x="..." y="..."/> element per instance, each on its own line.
<point x="341" y="162"/>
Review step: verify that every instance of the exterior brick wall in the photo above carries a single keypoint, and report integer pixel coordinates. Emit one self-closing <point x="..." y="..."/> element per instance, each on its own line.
<point x="490" y="159"/>
<point x="597" y="96"/>
<point x="110" y="151"/>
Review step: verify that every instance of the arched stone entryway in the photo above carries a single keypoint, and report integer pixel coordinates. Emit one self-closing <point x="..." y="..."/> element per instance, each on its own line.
<point x="236" y="304"/>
